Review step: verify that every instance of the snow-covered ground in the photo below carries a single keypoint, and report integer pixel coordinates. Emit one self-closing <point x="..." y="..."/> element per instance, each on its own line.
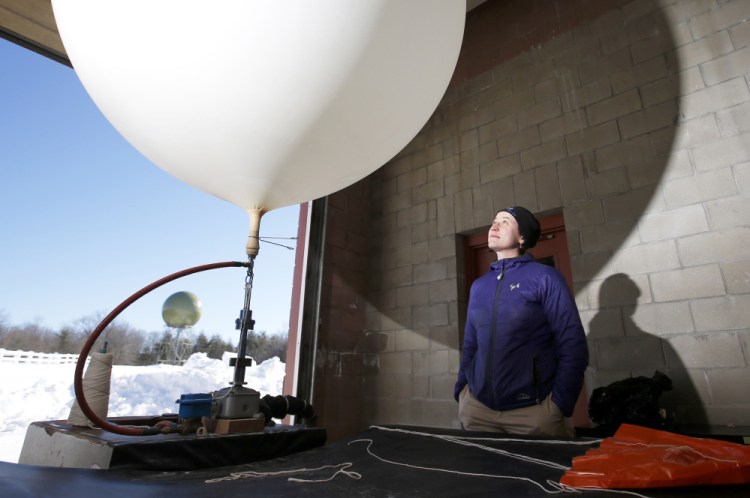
<point x="31" y="392"/>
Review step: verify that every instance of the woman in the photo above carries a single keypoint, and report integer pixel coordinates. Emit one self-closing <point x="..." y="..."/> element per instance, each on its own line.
<point x="524" y="351"/>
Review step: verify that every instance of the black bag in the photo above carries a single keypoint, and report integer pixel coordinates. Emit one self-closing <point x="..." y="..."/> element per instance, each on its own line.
<point x="632" y="401"/>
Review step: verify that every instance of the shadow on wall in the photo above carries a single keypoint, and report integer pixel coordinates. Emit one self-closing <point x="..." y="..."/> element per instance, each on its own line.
<point x="620" y="349"/>
<point x="583" y="123"/>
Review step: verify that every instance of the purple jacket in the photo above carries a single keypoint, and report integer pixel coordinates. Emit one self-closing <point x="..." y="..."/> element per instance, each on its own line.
<point x="523" y="338"/>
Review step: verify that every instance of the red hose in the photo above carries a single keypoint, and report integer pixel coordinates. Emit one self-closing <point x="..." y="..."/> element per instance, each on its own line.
<point x="78" y="378"/>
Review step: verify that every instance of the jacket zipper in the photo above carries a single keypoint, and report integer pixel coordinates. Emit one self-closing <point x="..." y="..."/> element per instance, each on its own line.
<point x="491" y="349"/>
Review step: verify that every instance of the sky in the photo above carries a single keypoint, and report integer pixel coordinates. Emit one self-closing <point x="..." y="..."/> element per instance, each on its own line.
<point x="86" y="221"/>
<point x="45" y="391"/>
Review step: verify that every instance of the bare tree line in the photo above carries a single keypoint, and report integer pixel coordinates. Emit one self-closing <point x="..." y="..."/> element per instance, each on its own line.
<point x="128" y="345"/>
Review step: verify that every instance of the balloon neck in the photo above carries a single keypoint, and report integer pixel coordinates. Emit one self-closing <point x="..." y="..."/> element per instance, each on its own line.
<point x="253" y="240"/>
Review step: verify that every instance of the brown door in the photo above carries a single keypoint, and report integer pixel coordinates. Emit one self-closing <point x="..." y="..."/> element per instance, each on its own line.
<point x="551" y="249"/>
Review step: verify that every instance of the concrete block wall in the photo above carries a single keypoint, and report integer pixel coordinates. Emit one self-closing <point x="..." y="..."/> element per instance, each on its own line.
<point x="634" y="125"/>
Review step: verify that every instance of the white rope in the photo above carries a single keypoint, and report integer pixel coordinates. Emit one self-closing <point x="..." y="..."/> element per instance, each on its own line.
<point x="556" y="486"/>
<point x="341" y="468"/>
<point x="467" y="441"/>
<point x="504" y="439"/>
<point x="457" y="472"/>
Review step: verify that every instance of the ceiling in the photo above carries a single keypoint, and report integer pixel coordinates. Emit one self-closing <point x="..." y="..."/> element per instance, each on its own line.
<point x="31" y="24"/>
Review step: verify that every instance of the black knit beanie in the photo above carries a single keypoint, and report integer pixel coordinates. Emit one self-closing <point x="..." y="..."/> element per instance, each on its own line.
<point x="528" y="225"/>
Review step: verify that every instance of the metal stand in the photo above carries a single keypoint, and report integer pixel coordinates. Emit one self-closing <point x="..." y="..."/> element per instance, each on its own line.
<point x="238" y="402"/>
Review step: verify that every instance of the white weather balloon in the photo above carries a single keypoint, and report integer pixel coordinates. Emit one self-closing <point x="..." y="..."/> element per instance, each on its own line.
<point x="264" y="103"/>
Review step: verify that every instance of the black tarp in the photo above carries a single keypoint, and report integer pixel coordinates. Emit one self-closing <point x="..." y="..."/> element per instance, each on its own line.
<point x="396" y="461"/>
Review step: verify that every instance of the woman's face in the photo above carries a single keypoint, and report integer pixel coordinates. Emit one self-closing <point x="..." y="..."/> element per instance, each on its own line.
<point x="504" y="233"/>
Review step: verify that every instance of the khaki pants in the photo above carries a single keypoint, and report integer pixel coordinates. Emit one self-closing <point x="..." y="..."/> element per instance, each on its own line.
<point x="544" y="419"/>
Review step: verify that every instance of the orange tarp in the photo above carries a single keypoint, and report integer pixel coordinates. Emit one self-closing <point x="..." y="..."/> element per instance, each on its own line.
<point x="638" y="457"/>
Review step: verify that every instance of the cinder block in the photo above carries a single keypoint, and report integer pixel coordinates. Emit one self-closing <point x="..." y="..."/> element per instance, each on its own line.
<point x="571" y="121"/>
<point x="619" y="289"/>
<point x="660" y="318"/>
<point x="734" y="120"/>
<point x="430" y="272"/>
<point x="649" y="119"/>
<point x="524" y="189"/>
<point x="514" y="103"/>
<point x="722" y="153"/>
<point x="614" y="107"/>
<point x="446" y="221"/>
<point x="443" y="247"/>
<point x="629" y="205"/>
<point x="487" y="152"/>
<point x="730" y="386"/>
<point x="607" y="183"/>
<point x="612" y="62"/>
<point x="412" y="340"/>
<point x="540" y="112"/>
<point x="543" y="154"/>
<point x="714" y="98"/>
<point x="658" y="91"/>
<point x="440" y="362"/>
<point x="463" y="210"/>
<point x="714" y="247"/>
<point x="721" y="313"/>
<point x="477" y="117"/>
<point x="740" y="35"/>
<point x="592" y="138"/>
<point x="468" y="140"/>
<point x="603" y="323"/>
<point x="691" y="80"/>
<point x="502" y="192"/>
<point x="441" y="386"/>
<point x="717" y="350"/>
<point x="728" y="415"/>
<point x="412" y="295"/>
<point x="737" y="276"/>
<point x="431" y="315"/>
<point x="547" y="187"/>
<point x="625" y="153"/>
<point x="546" y="89"/>
<point x="395" y="364"/>
<point x="687" y="283"/>
<point x="699" y="188"/>
<point x="465" y="179"/>
<point x="673" y="224"/>
<point x="445" y="337"/>
<point x="427" y="155"/>
<point x="729" y="212"/>
<point x="608" y="237"/>
<point x="503" y="126"/>
<point x="447" y="167"/>
<point x="572" y="181"/>
<point x="395" y="319"/>
<point x="632" y="353"/>
<point x="698" y="131"/>
<point x="484" y="202"/>
<point x="704" y="49"/>
<point x="516" y="142"/>
<point x="442" y="291"/>
<point x="727" y="15"/>
<point x="527" y="73"/>
<point x="498" y="169"/>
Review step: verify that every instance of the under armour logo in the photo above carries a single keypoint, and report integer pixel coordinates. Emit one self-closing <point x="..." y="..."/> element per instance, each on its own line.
<point x="514" y="286"/>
